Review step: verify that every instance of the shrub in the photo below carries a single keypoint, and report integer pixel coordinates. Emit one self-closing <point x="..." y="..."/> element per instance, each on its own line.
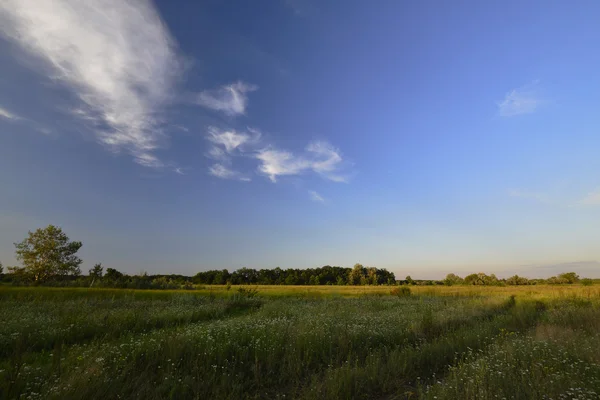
<point x="249" y="293"/>
<point x="400" y="291"/>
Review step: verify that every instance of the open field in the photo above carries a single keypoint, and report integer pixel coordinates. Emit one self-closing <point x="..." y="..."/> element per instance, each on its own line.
<point x="304" y="342"/>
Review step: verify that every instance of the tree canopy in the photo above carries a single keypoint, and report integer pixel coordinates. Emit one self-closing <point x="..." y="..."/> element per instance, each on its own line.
<point x="48" y="253"/>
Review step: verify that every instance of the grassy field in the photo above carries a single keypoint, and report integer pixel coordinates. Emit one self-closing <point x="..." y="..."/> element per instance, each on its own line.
<point x="301" y="342"/>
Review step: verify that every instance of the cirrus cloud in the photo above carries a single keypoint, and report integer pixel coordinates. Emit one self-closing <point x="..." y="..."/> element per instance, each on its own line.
<point x="226" y="144"/>
<point x="523" y="100"/>
<point x="319" y="157"/>
<point x="229" y="99"/>
<point x="314" y="196"/>
<point x="224" y="172"/>
<point x="116" y="56"/>
<point x="4" y="113"/>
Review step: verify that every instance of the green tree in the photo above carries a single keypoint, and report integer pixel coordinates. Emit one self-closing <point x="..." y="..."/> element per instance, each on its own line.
<point x="356" y="275"/>
<point x="453" y="279"/>
<point x="96" y="271"/>
<point x="48" y="253"/>
<point x="372" y="276"/>
<point x="112" y="274"/>
<point x="570" y="277"/>
<point x="517" y="280"/>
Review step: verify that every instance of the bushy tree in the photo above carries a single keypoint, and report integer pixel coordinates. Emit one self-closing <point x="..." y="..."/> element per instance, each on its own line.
<point x="453" y="279"/>
<point x="356" y="275"/>
<point x="96" y="271"/>
<point x="517" y="280"/>
<point x="48" y="253"/>
<point x="112" y="275"/>
<point x="569" y="277"/>
<point x="587" y="282"/>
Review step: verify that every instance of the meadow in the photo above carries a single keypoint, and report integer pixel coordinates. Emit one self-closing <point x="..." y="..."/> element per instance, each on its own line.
<point x="301" y="342"/>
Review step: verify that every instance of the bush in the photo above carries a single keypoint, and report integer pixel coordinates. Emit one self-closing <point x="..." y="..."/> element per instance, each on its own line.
<point x="400" y="291"/>
<point x="249" y="293"/>
<point x="587" y="282"/>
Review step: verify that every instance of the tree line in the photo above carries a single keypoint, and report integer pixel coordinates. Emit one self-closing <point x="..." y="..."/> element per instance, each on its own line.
<point x="326" y="275"/>
<point x="49" y="257"/>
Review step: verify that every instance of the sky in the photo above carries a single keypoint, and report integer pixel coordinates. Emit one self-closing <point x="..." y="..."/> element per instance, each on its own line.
<point x="422" y="137"/>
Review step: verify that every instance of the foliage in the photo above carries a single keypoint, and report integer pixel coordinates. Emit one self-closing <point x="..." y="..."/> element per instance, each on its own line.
<point x="453" y="279"/>
<point x="481" y="279"/>
<point x="587" y="282"/>
<point x="326" y="275"/>
<point x="48" y="253"/>
<point x="569" y="277"/>
<point x="400" y="291"/>
<point x="113" y="275"/>
<point x="96" y="271"/>
<point x="443" y="342"/>
<point x="249" y="293"/>
<point x="517" y="280"/>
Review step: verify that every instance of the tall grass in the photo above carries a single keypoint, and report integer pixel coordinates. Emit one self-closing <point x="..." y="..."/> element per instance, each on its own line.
<point x="294" y="342"/>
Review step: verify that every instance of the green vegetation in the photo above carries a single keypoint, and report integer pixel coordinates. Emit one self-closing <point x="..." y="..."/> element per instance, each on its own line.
<point x="286" y="342"/>
<point x="323" y="333"/>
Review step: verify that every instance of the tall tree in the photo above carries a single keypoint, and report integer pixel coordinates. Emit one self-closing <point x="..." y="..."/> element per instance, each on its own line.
<point x="96" y="273"/>
<point x="48" y="253"/>
<point x="357" y="275"/>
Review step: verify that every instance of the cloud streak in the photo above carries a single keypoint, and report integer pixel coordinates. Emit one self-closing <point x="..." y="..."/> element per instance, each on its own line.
<point x="523" y="100"/>
<point x="230" y="140"/>
<point x="226" y="144"/>
<point x="314" y="196"/>
<point x="116" y="56"/>
<point x="320" y="157"/>
<point x="4" y="113"/>
<point x="224" y="172"/>
<point x="231" y="99"/>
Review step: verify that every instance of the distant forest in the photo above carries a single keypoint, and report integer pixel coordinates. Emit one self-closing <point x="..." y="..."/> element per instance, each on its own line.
<point x="326" y="275"/>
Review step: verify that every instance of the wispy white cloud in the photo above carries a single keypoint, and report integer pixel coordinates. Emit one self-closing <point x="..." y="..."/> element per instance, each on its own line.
<point x="115" y="55"/>
<point x="224" y="172"/>
<point x="524" y="194"/>
<point x="314" y="196"/>
<point x="523" y="100"/>
<point x="592" y="199"/>
<point x="4" y="113"/>
<point x="326" y="161"/>
<point x="276" y="163"/>
<point x="226" y="144"/>
<point x="230" y="140"/>
<point x="217" y="153"/>
<point x="320" y="157"/>
<point x="147" y="159"/>
<point x="230" y="99"/>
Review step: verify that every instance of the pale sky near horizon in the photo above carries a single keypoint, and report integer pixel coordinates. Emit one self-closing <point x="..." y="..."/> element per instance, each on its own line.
<point x="422" y="137"/>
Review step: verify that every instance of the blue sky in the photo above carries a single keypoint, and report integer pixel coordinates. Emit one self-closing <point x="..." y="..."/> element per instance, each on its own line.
<point x="178" y="136"/>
